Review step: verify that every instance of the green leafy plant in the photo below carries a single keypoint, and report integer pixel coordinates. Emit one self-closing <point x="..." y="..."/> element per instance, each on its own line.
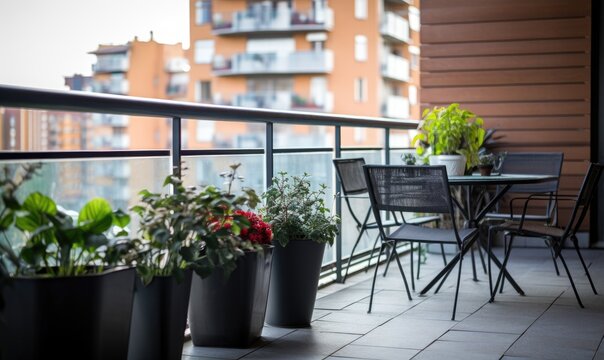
<point x="296" y="212"/>
<point x="55" y="243"/>
<point x="450" y="130"/>
<point x="408" y="159"/>
<point x="486" y="159"/>
<point x="197" y="228"/>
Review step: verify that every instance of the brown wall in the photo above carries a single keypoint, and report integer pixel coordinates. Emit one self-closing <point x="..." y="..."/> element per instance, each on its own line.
<point x="522" y="65"/>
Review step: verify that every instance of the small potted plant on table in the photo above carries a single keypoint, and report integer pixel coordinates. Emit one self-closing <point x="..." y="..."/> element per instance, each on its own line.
<point x="63" y="297"/>
<point x="450" y="136"/>
<point x="486" y="164"/>
<point x="302" y="225"/>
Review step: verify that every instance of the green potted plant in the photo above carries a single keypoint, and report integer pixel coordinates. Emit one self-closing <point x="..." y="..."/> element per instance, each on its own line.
<point x="229" y="292"/>
<point x="408" y="159"/>
<point x="486" y="163"/>
<point x="63" y="296"/>
<point x="450" y="136"/>
<point x="172" y="227"/>
<point x="302" y="225"/>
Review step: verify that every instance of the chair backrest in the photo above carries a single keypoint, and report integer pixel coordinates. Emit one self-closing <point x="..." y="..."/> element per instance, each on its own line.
<point x="590" y="182"/>
<point x="408" y="188"/>
<point x="350" y="172"/>
<point x="537" y="164"/>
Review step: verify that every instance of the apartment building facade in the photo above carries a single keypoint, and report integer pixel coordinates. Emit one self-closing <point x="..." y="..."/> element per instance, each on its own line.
<point x="358" y="57"/>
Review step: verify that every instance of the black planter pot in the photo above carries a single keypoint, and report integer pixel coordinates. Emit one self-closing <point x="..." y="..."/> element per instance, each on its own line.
<point x="159" y="318"/>
<point x="230" y="312"/>
<point x="296" y="270"/>
<point x="77" y="317"/>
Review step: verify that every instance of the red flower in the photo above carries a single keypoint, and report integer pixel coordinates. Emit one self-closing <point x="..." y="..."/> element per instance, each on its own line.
<point x="259" y="232"/>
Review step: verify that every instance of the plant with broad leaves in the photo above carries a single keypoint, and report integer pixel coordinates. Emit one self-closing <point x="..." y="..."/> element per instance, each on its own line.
<point x="186" y="228"/>
<point x="450" y="130"/>
<point x="296" y="212"/>
<point x="56" y="244"/>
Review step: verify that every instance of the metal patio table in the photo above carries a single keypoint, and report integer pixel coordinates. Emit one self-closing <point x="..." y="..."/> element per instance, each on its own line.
<point x="474" y="210"/>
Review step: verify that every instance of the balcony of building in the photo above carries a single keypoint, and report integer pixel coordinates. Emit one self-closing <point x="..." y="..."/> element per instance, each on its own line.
<point x="111" y="63"/>
<point x="396" y="107"/>
<point x="111" y="86"/>
<point x="395" y="28"/>
<point x="396" y="68"/>
<point x="264" y="19"/>
<point x="284" y="100"/>
<point x="298" y="62"/>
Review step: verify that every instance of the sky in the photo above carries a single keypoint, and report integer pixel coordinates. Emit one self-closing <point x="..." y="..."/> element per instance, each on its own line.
<point x="41" y="41"/>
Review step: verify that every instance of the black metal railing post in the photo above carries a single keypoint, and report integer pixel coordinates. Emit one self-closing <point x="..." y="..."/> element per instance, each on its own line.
<point x="176" y="146"/>
<point x="387" y="146"/>
<point x="268" y="155"/>
<point x="337" y="154"/>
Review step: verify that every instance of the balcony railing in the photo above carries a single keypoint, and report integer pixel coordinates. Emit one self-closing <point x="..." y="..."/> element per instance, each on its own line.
<point x="284" y="100"/>
<point x="299" y="62"/>
<point x="265" y="19"/>
<point x="396" y="68"/>
<point x="395" y="28"/>
<point x="151" y="166"/>
<point x="109" y="64"/>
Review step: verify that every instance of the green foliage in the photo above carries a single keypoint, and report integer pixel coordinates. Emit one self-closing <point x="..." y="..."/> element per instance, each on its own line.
<point x="408" y="159"/>
<point x="55" y="243"/>
<point x="450" y="130"/>
<point x="186" y="228"/>
<point x="486" y="159"/>
<point x="298" y="213"/>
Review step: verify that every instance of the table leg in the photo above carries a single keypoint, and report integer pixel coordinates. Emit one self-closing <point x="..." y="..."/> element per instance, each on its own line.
<point x="499" y="266"/>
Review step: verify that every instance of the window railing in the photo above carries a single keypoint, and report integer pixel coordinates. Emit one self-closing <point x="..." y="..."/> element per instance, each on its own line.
<point x="103" y="164"/>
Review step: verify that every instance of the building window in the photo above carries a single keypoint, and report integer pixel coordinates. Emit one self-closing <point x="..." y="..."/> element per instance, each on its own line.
<point x="414" y="51"/>
<point x="360" y="90"/>
<point x="414" y="23"/>
<point x="412" y="95"/>
<point x="360" y="9"/>
<point x="203" y="91"/>
<point x="203" y="12"/>
<point x="204" y="51"/>
<point x="360" y="48"/>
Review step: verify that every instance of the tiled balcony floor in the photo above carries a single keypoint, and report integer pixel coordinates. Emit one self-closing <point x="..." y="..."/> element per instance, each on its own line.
<point x="547" y="323"/>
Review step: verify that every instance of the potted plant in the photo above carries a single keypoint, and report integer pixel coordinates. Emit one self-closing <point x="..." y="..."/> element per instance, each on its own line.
<point x="408" y="159"/>
<point x="450" y="136"/>
<point x="62" y="295"/>
<point x="172" y="226"/>
<point x="230" y="290"/>
<point x="302" y="225"/>
<point x="486" y="163"/>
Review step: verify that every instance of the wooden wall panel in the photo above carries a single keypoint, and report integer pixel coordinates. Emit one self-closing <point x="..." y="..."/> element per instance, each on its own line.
<point x="524" y="66"/>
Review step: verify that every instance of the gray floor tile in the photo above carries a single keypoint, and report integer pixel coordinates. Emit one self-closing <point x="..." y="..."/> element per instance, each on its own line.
<point x="375" y="352"/>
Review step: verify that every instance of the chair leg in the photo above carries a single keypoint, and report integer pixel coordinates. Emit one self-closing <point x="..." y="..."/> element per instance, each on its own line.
<point x="419" y="261"/>
<point x="388" y="262"/>
<point x="382" y="246"/>
<point x="400" y="267"/>
<point x="442" y="249"/>
<point x="356" y="243"/>
<point x="371" y="254"/>
<point x="484" y="266"/>
<point x="503" y="267"/>
<point x="576" y="244"/>
<point x="443" y="281"/>
<point x="457" y="287"/>
<point x="572" y="283"/>
<point x="489" y="239"/>
<point x="412" y="277"/>
<point x="473" y="264"/>
<point x="551" y="249"/>
<point x="506" y="249"/>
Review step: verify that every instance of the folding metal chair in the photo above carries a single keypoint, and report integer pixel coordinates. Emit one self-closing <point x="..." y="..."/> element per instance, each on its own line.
<point x="423" y="189"/>
<point x="556" y="236"/>
<point x="352" y="179"/>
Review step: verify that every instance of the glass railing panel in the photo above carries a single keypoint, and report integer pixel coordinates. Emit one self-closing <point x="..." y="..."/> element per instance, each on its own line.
<point x="71" y="183"/>
<point x="206" y="170"/>
<point x="320" y="167"/>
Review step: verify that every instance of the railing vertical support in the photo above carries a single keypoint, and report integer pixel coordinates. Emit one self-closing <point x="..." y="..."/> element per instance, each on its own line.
<point x="268" y="154"/>
<point x="175" y="149"/>
<point x="338" y="199"/>
<point x="387" y="146"/>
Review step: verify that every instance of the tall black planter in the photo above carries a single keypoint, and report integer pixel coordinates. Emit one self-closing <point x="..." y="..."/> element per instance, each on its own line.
<point x="296" y="270"/>
<point x="76" y="317"/>
<point x="159" y="318"/>
<point x="230" y="312"/>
